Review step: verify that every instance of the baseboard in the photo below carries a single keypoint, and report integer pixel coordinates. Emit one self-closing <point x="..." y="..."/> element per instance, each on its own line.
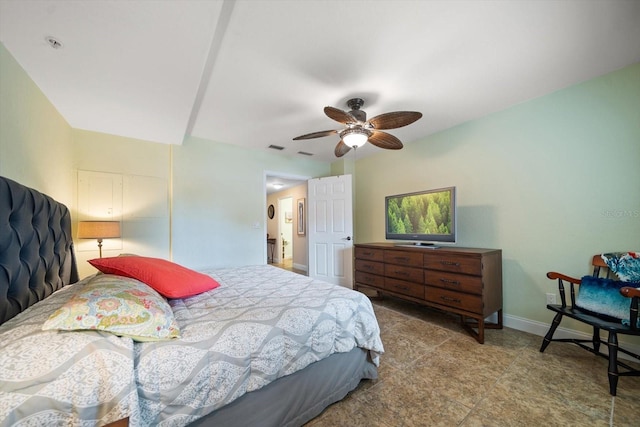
<point x="537" y="328"/>
<point x="540" y="329"/>
<point x="300" y="267"/>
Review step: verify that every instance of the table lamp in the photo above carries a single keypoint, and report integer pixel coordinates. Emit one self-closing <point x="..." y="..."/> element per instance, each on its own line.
<point x="98" y="230"/>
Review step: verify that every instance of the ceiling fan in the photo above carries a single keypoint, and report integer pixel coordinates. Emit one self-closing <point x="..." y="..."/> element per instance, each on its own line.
<point x="359" y="130"/>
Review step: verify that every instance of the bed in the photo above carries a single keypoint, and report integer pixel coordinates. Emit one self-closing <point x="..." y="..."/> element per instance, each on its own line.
<point x="264" y="347"/>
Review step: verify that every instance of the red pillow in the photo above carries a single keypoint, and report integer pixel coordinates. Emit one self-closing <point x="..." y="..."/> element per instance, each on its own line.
<point x="169" y="279"/>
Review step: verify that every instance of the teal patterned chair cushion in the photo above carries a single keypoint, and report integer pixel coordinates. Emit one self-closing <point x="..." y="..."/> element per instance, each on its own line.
<point x="119" y="305"/>
<point x="602" y="296"/>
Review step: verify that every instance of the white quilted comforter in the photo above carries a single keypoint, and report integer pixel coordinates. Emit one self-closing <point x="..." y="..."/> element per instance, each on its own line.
<point x="262" y="323"/>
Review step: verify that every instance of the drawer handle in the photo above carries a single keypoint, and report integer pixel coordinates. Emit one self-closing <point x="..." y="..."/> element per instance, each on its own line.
<point x="401" y="258"/>
<point x="455" y="264"/>
<point x="367" y="253"/>
<point x="401" y="273"/>
<point x="368" y="267"/>
<point x="450" y="282"/>
<point x="402" y="288"/>
<point x="448" y="299"/>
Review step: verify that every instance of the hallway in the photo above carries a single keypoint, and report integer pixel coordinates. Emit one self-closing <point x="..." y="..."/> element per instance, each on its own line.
<point x="287" y="264"/>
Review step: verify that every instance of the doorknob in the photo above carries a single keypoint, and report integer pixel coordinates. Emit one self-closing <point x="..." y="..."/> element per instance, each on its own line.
<point x="347" y="238"/>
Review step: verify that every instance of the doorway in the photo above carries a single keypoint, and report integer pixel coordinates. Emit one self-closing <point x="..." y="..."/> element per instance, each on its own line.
<point x="283" y="192"/>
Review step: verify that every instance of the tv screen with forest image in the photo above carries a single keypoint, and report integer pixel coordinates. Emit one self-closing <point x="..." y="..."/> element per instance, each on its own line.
<point x="425" y="216"/>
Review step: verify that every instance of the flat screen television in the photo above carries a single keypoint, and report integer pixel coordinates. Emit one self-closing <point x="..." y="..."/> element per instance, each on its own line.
<point x="425" y="217"/>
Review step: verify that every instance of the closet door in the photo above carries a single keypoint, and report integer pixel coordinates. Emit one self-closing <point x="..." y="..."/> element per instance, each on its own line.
<point x="99" y="199"/>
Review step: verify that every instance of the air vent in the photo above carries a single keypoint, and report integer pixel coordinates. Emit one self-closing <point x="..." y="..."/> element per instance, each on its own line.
<point x="304" y="153"/>
<point x="276" y="147"/>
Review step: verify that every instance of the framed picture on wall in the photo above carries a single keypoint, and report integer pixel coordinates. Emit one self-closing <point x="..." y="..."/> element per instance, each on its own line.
<point x="301" y="218"/>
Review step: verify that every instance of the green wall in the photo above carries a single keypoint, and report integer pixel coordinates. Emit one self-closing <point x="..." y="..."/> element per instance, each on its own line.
<point x="218" y="197"/>
<point x="551" y="182"/>
<point x="35" y="141"/>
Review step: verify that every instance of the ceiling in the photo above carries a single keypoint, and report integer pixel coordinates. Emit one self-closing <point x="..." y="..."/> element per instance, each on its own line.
<point x="275" y="182"/>
<point x="258" y="73"/>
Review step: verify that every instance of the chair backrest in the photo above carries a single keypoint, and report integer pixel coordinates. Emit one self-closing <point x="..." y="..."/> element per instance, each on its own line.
<point x="598" y="263"/>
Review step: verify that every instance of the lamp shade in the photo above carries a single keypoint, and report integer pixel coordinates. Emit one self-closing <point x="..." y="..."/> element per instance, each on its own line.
<point x="355" y="137"/>
<point x="98" y="229"/>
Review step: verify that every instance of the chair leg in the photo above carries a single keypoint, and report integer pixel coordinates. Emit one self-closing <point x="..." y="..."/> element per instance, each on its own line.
<point x="596" y="339"/>
<point x="613" y="363"/>
<point x="554" y="325"/>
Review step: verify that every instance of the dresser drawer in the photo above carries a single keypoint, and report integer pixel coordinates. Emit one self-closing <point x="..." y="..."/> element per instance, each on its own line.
<point x="406" y="288"/>
<point x="370" y="254"/>
<point x="467" y="302"/>
<point x="370" y="279"/>
<point x="453" y="281"/>
<point x="453" y="263"/>
<point x="402" y="272"/>
<point x="413" y="259"/>
<point x="369" y="266"/>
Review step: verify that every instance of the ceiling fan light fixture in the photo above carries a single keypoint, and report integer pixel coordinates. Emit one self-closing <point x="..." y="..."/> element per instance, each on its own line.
<point x="359" y="130"/>
<point x="355" y="137"/>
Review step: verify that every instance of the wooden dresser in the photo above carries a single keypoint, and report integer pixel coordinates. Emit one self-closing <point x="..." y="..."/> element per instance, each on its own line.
<point x="465" y="281"/>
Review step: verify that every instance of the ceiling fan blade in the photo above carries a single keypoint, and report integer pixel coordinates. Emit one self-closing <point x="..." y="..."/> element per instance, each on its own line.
<point x="394" y="120"/>
<point x="385" y="140"/>
<point x="339" y="115"/>
<point x="315" y="134"/>
<point x="341" y="149"/>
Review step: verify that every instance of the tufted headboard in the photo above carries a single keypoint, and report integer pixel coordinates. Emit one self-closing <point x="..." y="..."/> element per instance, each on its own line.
<point x="36" y="248"/>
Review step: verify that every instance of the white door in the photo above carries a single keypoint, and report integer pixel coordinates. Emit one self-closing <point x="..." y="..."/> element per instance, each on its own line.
<point x="285" y="210"/>
<point x="330" y="229"/>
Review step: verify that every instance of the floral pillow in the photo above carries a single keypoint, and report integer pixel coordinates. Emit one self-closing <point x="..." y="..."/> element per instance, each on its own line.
<point x="120" y="305"/>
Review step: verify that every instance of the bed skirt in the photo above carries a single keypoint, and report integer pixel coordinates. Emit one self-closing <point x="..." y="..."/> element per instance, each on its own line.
<point x="293" y="400"/>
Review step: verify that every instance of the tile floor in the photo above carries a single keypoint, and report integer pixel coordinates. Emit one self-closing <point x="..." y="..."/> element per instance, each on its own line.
<point x="435" y="374"/>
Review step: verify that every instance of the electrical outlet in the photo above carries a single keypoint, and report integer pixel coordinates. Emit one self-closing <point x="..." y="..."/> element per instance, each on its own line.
<point x="551" y="298"/>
